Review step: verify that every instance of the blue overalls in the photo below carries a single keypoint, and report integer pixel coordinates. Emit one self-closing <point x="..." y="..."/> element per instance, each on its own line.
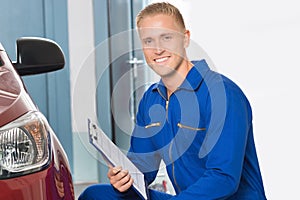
<point x="204" y="135"/>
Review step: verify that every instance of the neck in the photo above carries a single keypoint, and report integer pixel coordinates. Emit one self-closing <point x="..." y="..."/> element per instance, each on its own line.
<point x="172" y="82"/>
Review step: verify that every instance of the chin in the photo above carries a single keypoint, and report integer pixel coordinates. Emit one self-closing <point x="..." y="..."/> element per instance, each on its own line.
<point x="164" y="73"/>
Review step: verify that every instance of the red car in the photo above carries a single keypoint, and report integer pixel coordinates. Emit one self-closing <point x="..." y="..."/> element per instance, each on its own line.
<point x="33" y="164"/>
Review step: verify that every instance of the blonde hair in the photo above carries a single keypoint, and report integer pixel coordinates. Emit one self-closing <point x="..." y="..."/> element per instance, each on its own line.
<point x="160" y="8"/>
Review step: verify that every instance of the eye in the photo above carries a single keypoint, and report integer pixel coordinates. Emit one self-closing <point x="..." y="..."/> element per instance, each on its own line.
<point x="167" y="38"/>
<point x="147" y="41"/>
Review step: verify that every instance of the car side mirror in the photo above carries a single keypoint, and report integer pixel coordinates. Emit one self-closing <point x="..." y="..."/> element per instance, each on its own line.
<point x="38" y="55"/>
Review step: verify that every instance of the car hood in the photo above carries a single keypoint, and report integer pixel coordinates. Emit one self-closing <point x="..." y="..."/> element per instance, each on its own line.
<point x="14" y="100"/>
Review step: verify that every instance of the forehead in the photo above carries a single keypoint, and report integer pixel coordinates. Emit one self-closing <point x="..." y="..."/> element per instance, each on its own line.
<point x="155" y="25"/>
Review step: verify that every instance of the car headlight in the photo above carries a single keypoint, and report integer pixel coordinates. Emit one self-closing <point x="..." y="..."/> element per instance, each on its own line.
<point x="24" y="145"/>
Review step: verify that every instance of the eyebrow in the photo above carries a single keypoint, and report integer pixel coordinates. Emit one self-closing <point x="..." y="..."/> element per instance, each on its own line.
<point x="164" y="34"/>
<point x="147" y="38"/>
<point x="161" y="35"/>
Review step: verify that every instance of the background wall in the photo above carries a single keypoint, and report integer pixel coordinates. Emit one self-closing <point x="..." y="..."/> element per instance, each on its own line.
<point x="81" y="45"/>
<point x="256" y="44"/>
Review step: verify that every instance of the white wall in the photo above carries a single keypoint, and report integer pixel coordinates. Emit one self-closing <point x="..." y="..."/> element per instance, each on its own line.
<point x="256" y="43"/>
<point x="83" y="85"/>
<point x="82" y="63"/>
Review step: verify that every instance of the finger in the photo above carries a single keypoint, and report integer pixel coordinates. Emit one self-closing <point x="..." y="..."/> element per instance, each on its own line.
<point x="116" y="170"/>
<point x="117" y="178"/>
<point x="113" y="171"/>
<point x="127" y="184"/>
<point x="124" y="177"/>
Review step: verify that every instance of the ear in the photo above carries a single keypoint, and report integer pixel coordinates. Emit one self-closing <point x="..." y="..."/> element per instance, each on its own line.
<point x="187" y="36"/>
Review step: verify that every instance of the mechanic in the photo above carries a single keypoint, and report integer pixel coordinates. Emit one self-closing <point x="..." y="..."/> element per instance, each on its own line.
<point x="197" y="121"/>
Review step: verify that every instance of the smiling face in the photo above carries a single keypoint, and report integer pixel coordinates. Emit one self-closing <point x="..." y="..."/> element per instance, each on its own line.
<point x="164" y="41"/>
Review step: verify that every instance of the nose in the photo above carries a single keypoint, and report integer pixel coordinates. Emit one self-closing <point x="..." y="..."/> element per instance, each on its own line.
<point x="159" y="49"/>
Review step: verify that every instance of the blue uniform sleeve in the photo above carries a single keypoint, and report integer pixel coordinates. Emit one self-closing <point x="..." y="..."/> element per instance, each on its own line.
<point x="224" y="146"/>
<point x="141" y="152"/>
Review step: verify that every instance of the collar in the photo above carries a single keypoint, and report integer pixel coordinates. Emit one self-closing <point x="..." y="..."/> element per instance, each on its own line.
<point x="192" y="81"/>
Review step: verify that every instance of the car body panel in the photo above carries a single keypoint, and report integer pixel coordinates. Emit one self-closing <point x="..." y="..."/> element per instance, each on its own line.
<point x="14" y="99"/>
<point x="53" y="180"/>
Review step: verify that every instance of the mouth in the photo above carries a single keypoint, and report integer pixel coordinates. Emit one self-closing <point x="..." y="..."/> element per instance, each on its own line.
<point x="161" y="60"/>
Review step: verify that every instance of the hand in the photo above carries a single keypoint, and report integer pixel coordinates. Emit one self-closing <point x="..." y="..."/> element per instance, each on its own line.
<point x="119" y="178"/>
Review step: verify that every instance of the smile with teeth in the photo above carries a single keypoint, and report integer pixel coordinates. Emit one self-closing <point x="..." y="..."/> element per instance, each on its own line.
<point x="160" y="60"/>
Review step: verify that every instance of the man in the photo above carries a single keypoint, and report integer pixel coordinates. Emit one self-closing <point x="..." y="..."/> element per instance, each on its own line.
<point x="195" y="120"/>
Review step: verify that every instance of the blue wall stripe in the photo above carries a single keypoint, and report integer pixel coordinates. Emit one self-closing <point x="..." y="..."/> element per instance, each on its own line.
<point x="59" y="106"/>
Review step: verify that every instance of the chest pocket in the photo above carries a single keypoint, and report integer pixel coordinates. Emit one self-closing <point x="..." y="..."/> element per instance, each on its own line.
<point x="190" y="138"/>
<point x="154" y="124"/>
<point x="180" y="125"/>
<point x="159" y="133"/>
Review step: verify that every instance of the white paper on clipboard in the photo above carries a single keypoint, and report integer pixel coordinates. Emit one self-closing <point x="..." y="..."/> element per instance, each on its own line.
<point x="113" y="155"/>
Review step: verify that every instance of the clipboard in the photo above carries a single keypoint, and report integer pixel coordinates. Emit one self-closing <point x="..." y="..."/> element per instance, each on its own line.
<point x="114" y="156"/>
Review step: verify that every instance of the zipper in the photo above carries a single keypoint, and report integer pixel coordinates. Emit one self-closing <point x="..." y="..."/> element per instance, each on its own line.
<point x="191" y="128"/>
<point x="153" y="125"/>
<point x="171" y="145"/>
<point x="167" y="102"/>
<point x="167" y="105"/>
<point x="173" y="166"/>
